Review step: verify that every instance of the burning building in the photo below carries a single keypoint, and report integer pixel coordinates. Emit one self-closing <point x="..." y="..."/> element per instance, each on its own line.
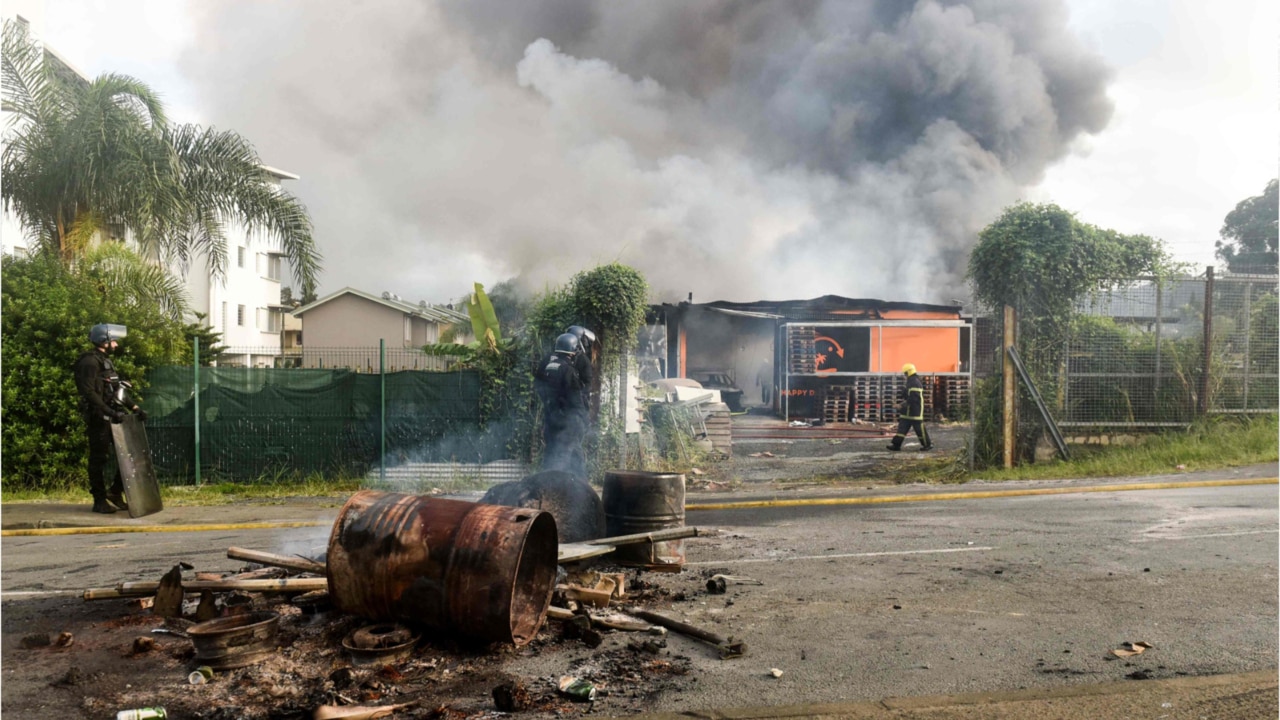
<point x="832" y="357"/>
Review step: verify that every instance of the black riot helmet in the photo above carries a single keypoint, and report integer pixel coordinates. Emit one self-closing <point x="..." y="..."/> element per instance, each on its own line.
<point x="586" y="338"/>
<point x="567" y="344"/>
<point x="103" y="333"/>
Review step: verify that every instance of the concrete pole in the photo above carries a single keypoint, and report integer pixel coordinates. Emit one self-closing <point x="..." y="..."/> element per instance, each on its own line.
<point x="1008" y="415"/>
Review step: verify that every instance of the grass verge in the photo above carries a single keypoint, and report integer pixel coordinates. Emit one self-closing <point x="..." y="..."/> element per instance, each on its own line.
<point x="220" y="493"/>
<point x="1218" y="442"/>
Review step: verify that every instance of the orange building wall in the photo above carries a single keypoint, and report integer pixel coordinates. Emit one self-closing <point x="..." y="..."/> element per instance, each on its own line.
<point x="930" y="349"/>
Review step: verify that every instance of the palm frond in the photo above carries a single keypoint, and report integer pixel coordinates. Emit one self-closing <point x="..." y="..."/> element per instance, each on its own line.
<point x="221" y="170"/>
<point x="129" y="279"/>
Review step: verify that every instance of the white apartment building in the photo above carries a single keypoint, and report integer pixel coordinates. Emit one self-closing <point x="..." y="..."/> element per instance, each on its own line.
<point x="244" y="304"/>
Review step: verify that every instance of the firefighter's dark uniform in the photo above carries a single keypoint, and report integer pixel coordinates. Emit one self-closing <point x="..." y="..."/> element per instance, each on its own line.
<point x="97" y="380"/>
<point x="565" y="416"/>
<point x="912" y="416"/>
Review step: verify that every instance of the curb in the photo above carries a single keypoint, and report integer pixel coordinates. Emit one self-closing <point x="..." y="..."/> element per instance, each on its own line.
<point x="973" y="495"/>
<point x="109" y="529"/>
<point x="892" y="706"/>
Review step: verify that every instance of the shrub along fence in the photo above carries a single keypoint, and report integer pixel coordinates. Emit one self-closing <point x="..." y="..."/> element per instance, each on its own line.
<point x="244" y="423"/>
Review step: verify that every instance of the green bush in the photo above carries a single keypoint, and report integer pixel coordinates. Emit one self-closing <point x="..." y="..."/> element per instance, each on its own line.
<point x="611" y="300"/>
<point x="48" y="310"/>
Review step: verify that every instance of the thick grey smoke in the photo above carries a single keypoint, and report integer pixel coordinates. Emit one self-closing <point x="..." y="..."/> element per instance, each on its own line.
<point x="739" y="150"/>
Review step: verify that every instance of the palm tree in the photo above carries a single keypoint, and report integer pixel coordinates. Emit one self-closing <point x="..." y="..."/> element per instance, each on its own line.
<point x="81" y="155"/>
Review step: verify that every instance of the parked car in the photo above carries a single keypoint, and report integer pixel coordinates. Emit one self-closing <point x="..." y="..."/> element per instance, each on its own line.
<point x="720" y="380"/>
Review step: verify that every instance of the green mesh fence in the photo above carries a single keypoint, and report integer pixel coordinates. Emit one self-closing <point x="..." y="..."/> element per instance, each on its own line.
<point x="257" y="422"/>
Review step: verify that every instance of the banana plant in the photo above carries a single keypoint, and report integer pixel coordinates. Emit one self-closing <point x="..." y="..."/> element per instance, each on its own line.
<point x="484" y="320"/>
<point x="484" y="326"/>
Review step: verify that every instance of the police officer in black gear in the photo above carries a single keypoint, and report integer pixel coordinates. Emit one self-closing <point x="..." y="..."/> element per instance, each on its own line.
<point x="103" y="401"/>
<point x="912" y="416"/>
<point x="582" y="359"/>
<point x="564" y="410"/>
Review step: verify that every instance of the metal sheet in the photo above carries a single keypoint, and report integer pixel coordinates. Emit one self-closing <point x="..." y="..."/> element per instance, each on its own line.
<point x="133" y="455"/>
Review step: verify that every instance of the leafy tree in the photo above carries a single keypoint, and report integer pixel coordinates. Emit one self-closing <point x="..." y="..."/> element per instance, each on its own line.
<point x="48" y="310"/>
<point x="610" y="299"/>
<point x="1042" y="260"/>
<point x="1249" y="233"/>
<point x="211" y="348"/>
<point x="81" y="156"/>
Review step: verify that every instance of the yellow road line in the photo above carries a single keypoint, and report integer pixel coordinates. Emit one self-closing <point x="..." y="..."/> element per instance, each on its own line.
<point x="108" y="529"/>
<point x="926" y="497"/>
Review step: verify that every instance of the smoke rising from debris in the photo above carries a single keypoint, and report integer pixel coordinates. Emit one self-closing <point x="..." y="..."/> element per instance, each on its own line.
<point x="739" y="150"/>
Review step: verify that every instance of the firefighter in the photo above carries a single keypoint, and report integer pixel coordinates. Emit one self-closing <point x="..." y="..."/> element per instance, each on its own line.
<point x="565" y="419"/>
<point x="103" y="401"/>
<point x="911" y="411"/>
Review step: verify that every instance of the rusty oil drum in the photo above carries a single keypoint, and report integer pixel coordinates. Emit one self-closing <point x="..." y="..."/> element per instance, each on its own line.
<point x="640" y="502"/>
<point x="480" y="571"/>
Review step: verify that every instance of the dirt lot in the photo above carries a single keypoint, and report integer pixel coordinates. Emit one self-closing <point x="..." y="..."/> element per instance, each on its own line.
<point x="101" y="672"/>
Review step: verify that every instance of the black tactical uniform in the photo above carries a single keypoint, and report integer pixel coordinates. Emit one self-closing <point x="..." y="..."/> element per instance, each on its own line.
<point x="565" y="416"/>
<point x="97" y="381"/>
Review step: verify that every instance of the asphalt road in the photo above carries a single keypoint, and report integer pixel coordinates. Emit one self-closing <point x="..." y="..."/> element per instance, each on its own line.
<point x="895" y="600"/>
<point x="987" y="595"/>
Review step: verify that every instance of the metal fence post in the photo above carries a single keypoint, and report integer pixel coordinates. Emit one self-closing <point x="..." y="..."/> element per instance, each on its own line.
<point x="973" y="412"/>
<point x="1202" y="402"/>
<point x="196" y="368"/>
<point x="1248" y="333"/>
<point x="382" y="412"/>
<point x="1155" y="392"/>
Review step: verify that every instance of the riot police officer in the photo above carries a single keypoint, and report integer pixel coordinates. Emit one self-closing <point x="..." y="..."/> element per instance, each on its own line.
<point x="103" y="401"/>
<point x="582" y="359"/>
<point x="564" y="409"/>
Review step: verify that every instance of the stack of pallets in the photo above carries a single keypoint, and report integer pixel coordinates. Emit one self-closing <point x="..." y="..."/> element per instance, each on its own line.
<point x="836" y="403"/>
<point x="802" y="356"/>
<point x="719" y="428"/>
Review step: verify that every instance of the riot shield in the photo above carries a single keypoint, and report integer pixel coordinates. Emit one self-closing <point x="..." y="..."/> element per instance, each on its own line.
<point x="133" y="455"/>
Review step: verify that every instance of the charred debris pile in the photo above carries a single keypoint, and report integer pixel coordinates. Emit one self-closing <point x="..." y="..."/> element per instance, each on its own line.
<point x="415" y="610"/>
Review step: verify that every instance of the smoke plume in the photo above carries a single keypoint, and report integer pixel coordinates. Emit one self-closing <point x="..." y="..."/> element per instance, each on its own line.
<point x="738" y="150"/>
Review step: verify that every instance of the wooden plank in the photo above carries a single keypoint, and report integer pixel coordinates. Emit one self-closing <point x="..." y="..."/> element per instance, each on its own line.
<point x="289" y="562"/>
<point x="573" y="552"/>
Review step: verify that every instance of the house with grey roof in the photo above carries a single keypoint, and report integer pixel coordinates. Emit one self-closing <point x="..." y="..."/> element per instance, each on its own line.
<point x="344" y="329"/>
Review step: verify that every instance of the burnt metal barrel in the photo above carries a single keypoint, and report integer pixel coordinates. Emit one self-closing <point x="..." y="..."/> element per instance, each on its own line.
<point x="640" y="502"/>
<point x="480" y="571"/>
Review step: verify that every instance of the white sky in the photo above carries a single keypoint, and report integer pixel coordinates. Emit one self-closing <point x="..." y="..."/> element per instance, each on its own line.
<point x="1194" y="132"/>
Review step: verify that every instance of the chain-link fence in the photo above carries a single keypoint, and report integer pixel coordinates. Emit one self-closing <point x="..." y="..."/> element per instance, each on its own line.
<point x="1245" y="345"/>
<point x="247" y="423"/>
<point x="1144" y="353"/>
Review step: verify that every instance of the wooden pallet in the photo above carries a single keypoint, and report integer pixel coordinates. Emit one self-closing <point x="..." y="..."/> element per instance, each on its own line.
<point x="719" y="426"/>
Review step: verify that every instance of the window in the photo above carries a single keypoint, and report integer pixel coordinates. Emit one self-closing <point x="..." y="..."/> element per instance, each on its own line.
<point x="274" y="321"/>
<point x="273" y="267"/>
<point x="240" y="315"/>
<point x="240" y="261"/>
<point x="224" y="319"/>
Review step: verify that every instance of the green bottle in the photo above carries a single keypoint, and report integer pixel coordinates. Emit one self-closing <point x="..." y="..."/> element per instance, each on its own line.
<point x="578" y="689"/>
